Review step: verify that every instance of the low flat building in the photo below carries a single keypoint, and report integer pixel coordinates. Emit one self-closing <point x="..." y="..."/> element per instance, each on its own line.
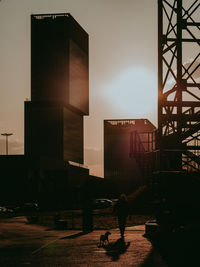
<point x="124" y="140"/>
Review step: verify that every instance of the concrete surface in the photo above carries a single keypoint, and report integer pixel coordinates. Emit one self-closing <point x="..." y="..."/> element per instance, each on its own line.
<point x="23" y="244"/>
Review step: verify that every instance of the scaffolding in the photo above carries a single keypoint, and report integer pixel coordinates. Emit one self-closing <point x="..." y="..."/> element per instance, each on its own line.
<point x="179" y="84"/>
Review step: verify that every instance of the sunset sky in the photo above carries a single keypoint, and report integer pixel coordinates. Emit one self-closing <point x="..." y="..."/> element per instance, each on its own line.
<point x="123" y="65"/>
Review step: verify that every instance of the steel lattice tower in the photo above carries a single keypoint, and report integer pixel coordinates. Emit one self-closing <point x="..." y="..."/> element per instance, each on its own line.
<point x="179" y="84"/>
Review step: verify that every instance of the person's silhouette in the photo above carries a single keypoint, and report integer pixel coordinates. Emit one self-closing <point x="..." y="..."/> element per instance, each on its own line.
<point x="122" y="210"/>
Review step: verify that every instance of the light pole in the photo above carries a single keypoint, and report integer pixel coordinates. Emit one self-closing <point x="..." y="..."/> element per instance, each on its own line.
<point x="6" y="135"/>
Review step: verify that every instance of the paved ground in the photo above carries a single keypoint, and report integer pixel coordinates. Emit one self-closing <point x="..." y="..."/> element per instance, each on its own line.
<point x="23" y="244"/>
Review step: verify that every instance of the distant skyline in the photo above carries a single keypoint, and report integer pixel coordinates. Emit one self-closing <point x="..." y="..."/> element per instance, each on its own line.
<point x="123" y="65"/>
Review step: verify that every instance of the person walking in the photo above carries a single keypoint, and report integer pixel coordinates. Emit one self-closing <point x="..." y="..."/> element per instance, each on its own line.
<point x="121" y="209"/>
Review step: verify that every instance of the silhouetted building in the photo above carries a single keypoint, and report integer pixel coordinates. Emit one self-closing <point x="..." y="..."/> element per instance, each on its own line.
<point x="52" y="172"/>
<point x="59" y="88"/>
<point x="124" y="142"/>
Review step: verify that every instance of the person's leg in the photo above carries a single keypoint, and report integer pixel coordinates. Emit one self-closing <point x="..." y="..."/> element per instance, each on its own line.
<point x="122" y="223"/>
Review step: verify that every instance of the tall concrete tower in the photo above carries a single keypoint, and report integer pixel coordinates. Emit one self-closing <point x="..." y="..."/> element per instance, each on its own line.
<point x="59" y="88"/>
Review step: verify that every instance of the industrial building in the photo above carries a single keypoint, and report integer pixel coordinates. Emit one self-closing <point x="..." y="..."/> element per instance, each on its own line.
<point x="125" y="143"/>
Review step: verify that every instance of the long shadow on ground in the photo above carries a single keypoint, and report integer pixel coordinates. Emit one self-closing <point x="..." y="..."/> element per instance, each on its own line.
<point x="75" y="235"/>
<point x="115" y="249"/>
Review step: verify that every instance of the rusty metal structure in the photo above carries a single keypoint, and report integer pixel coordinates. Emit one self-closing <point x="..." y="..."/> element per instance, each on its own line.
<point x="176" y="179"/>
<point x="179" y="84"/>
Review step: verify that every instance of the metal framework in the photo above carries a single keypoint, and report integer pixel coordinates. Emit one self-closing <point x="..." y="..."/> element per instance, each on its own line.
<point x="179" y="82"/>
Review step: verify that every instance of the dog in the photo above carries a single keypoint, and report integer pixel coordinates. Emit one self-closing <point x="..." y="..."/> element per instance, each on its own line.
<point x="104" y="239"/>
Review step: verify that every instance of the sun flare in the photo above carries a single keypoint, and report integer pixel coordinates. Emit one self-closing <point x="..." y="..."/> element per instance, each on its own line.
<point x="133" y="93"/>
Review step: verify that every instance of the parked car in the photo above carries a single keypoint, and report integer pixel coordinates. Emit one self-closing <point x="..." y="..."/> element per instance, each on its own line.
<point x="4" y="211"/>
<point x="26" y="207"/>
<point x="101" y="203"/>
<point x="114" y="201"/>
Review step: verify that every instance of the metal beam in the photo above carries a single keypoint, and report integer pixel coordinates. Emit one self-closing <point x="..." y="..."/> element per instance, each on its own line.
<point x="178" y="101"/>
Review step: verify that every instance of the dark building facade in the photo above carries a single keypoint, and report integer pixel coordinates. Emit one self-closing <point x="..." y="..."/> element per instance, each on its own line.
<point x="53" y="130"/>
<point x="59" y="88"/>
<point x="123" y="142"/>
<point x="51" y="172"/>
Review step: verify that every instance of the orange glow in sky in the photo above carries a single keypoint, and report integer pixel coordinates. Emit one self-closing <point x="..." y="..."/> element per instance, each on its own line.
<point x="122" y="65"/>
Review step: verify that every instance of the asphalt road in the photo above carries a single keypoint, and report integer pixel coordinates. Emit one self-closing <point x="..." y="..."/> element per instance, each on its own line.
<point x="23" y="244"/>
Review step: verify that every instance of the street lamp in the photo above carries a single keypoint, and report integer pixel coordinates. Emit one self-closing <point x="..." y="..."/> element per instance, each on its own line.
<point x="6" y="135"/>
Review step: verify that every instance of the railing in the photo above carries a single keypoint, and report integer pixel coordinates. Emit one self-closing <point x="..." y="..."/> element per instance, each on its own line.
<point x="175" y="160"/>
<point x="142" y="147"/>
<point x="168" y="160"/>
